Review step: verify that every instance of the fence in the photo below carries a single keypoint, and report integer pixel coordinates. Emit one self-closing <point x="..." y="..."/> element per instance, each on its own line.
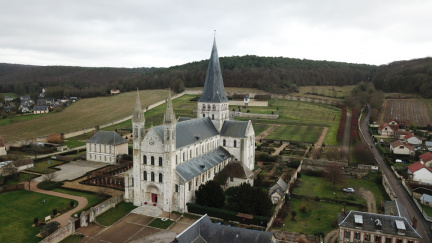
<point x="61" y="233"/>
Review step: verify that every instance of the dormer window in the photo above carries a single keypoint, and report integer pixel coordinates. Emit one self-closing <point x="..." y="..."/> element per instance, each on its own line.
<point x="400" y="226"/>
<point x="378" y="224"/>
<point x="358" y="220"/>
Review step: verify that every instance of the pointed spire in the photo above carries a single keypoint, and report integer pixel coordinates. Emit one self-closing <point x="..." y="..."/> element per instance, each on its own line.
<point x="169" y="113"/>
<point x="138" y="114"/>
<point x="214" y="90"/>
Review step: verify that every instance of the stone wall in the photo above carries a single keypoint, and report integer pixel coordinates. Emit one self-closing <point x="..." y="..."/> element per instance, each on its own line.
<point x="61" y="233"/>
<point x="89" y="216"/>
<point x="254" y="115"/>
<point x="388" y="188"/>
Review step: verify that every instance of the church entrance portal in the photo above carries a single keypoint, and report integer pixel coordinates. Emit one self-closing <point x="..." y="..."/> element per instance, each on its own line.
<point x="154" y="197"/>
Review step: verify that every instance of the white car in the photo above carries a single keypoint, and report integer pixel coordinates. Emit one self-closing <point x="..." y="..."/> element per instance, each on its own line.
<point x="349" y="190"/>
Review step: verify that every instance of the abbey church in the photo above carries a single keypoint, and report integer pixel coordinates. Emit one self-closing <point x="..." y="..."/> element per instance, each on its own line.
<point x="172" y="160"/>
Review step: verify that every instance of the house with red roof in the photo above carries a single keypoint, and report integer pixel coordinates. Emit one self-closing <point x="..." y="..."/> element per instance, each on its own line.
<point x="412" y="139"/>
<point x="388" y="130"/>
<point x="420" y="173"/>
<point x="398" y="147"/>
<point x="2" y="147"/>
<point x="401" y="123"/>
<point x="426" y="159"/>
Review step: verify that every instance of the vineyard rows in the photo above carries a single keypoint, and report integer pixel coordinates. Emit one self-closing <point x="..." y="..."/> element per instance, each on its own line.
<point x="413" y="110"/>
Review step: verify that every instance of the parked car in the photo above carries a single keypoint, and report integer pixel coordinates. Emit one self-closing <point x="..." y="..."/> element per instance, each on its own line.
<point x="349" y="190"/>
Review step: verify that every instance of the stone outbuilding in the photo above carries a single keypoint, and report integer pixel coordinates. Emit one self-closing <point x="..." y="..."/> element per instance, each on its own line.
<point x="105" y="146"/>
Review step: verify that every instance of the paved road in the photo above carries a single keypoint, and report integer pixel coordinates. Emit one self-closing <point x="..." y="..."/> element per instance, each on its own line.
<point x="423" y="226"/>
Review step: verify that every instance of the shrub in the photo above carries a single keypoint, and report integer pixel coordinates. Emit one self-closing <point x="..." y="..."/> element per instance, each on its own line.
<point x="277" y="223"/>
<point x="49" y="185"/>
<point x="54" y="212"/>
<point x="303" y="209"/>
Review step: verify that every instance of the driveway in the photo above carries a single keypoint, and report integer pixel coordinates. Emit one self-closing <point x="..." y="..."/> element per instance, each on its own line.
<point x="423" y="226"/>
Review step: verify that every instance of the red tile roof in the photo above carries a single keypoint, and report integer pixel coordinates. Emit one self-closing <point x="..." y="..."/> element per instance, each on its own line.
<point x="398" y="143"/>
<point x="415" y="167"/>
<point x="426" y="157"/>
<point x="409" y="135"/>
<point x="393" y="127"/>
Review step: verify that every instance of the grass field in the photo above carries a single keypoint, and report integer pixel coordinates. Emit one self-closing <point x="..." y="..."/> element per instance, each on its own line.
<point x="23" y="177"/>
<point x="42" y="167"/>
<point x="92" y="198"/>
<point x="296" y="133"/>
<point x="114" y="214"/>
<point x="317" y="218"/>
<point x="325" y="92"/>
<point x="84" y="113"/>
<point x="158" y="223"/>
<point x="19" y="208"/>
<point x="20" y="118"/>
<point x="259" y="128"/>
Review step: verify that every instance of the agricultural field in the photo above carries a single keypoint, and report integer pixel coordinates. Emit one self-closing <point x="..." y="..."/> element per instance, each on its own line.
<point x="417" y="111"/>
<point x="296" y="133"/>
<point x="325" y="92"/>
<point x="84" y="113"/>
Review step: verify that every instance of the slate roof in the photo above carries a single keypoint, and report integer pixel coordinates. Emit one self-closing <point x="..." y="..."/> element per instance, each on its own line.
<point x="428" y="143"/>
<point x="214" y="91"/>
<point x="280" y="187"/>
<point x="426" y="197"/>
<point x="235" y="129"/>
<point x="203" y="163"/>
<point x="426" y="157"/>
<point x="190" y="131"/>
<point x="22" y="162"/>
<point x="204" y="230"/>
<point x="370" y="220"/>
<point x="107" y="138"/>
<point x="396" y="208"/>
<point x="40" y="108"/>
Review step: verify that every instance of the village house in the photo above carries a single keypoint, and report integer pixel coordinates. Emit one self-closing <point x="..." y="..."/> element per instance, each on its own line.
<point x="8" y="99"/>
<point x="420" y="173"/>
<point x="357" y="226"/>
<point x="426" y="159"/>
<point x="398" y="147"/>
<point x="40" y="109"/>
<point x="277" y="191"/>
<point x="412" y="139"/>
<point x="114" y="91"/>
<point x="105" y="146"/>
<point x="401" y="123"/>
<point x="387" y="130"/>
<point x="204" y="230"/>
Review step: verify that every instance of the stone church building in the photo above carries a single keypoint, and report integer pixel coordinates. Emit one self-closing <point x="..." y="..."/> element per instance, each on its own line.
<point x="172" y="160"/>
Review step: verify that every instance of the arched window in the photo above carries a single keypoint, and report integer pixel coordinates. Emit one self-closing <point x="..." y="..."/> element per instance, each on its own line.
<point x="176" y="188"/>
<point x="160" y="177"/>
<point x="204" y="108"/>
<point x="145" y="159"/>
<point x="209" y="107"/>
<point x="203" y="115"/>
<point x="235" y="143"/>
<point x="145" y="175"/>
<point x="224" y="142"/>
<point x="160" y="161"/>
<point x="152" y="160"/>
<point x="152" y="176"/>
<point x="168" y="134"/>
<point x="212" y="116"/>
<point x="214" y="107"/>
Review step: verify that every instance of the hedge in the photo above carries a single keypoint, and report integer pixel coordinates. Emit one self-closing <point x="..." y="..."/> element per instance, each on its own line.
<point x="224" y="214"/>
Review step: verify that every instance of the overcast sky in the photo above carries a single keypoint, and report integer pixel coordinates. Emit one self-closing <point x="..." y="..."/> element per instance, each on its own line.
<point x="157" y="33"/>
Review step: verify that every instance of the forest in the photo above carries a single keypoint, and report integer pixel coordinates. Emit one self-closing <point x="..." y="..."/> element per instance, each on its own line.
<point x="273" y="74"/>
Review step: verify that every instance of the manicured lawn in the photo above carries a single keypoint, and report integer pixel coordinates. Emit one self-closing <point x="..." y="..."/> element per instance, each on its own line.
<point x="325" y="92"/>
<point x="42" y="167"/>
<point x="23" y="177"/>
<point x="92" y="198"/>
<point x="260" y="127"/>
<point x="19" y="208"/>
<point x="72" y="143"/>
<point x="114" y="214"/>
<point x="426" y="209"/>
<point x="158" y="223"/>
<point x="317" y="218"/>
<point x="296" y="133"/>
<point x="72" y="239"/>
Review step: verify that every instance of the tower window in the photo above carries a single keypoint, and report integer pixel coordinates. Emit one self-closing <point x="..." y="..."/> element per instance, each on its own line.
<point x="176" y="188"/>
<point x="190" y="185"/>
<point x="168" y="134"/>
<point x="224" y="142"/>
<point x="152" y="176"/>
<point x="152" y="160"/>
<point x="160" y="161"/>
<point x="203" y="115"/>
<point x="235" y="143"/>
<point x="214" y="107"/>
<point x="145" y="175"/>
<point x="160" y="177"/>
<point x="145" y="159"/>
<point x="212" y="116"/>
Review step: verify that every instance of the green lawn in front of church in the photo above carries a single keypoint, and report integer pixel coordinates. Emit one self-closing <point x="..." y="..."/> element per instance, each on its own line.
<point x="18" y="210"/>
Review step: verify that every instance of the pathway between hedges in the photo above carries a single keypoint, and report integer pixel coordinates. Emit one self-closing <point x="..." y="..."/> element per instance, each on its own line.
<point x="62" y="219"/>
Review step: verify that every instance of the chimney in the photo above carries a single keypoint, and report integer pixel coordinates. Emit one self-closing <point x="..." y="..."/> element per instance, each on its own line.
<point x="343" y="213"/>
<point x="414" y="223"/>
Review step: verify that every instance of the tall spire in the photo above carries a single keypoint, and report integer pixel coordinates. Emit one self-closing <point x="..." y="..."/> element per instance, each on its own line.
<point x="138" y="114"/>
<point x="169" y="113"/>
<point x="214" y="91"/>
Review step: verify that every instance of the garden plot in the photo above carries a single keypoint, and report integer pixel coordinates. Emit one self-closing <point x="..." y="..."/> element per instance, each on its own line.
<point x="411" y="109"/>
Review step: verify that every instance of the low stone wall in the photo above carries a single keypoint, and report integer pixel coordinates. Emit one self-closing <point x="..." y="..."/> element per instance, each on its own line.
<point x="89" y="216"/>
<point x="254" y="115"/>
<point x="61" y="233"/>
<point x="388" y="188"/>
<point x="10" y="188"/>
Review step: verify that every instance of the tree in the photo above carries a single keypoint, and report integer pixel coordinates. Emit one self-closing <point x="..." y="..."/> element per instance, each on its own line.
<point x="55" y="138"/>
<point x="334" y="173"/>
<point x="210" y="194"/>
<point x="248" y="199"/>
<point x="49" y="177"/>
<point x="293" y="214"/>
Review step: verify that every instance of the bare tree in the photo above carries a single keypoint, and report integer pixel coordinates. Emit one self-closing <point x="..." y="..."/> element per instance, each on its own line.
<point x="49" y="177"/>
<point x="334" y="173"/>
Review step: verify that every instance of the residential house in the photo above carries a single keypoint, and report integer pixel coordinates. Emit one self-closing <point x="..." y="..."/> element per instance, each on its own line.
<point x="428" y="145"/>
<point x="24" y="98"/>
<point x="246" y="100"/>
<point x="24" y="108"/>
<point x="73" y="98"/>
<point x="8" y="99"/>
<point x="23" y="164"/>
<point x="115" y="91"/>
<point x="41" y="101"/>
<point x="388" y="130"/>
<point x="40" y="109"/>
<point x="398" y="147"/>
<point x="2" y="147"/>
<point x="401" y="123"/>
<point x="105" y="146"/>
<point x="420" y="173"/>
<point x="400" y="134"/>
<point x="412" y="139"/>
<point x="64" y="100"/>
<point x="50" y="101"/>
<point x="277" y="191"/>
<point x="357" y="226"/>
<point x="204" y="230"/>
<point x="426" y="159"/>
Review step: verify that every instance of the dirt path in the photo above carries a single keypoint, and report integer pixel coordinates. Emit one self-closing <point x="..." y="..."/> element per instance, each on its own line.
<point x="346" y="138"/>
<point x="370" y="199"/>
<point x="278" y="150"/>
<point x="62" y="219"/>
<point x="265" y="133"/>
<point x="319" y="143"/>
<point x="331" y="236"/>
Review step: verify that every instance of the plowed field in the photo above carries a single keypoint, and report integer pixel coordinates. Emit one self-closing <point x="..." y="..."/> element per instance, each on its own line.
<point x="413" y="110"/>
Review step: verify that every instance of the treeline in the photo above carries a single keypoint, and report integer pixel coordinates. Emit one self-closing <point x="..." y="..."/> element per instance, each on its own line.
<point x="273" y="74"/>
<point x="412" y="76"/>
